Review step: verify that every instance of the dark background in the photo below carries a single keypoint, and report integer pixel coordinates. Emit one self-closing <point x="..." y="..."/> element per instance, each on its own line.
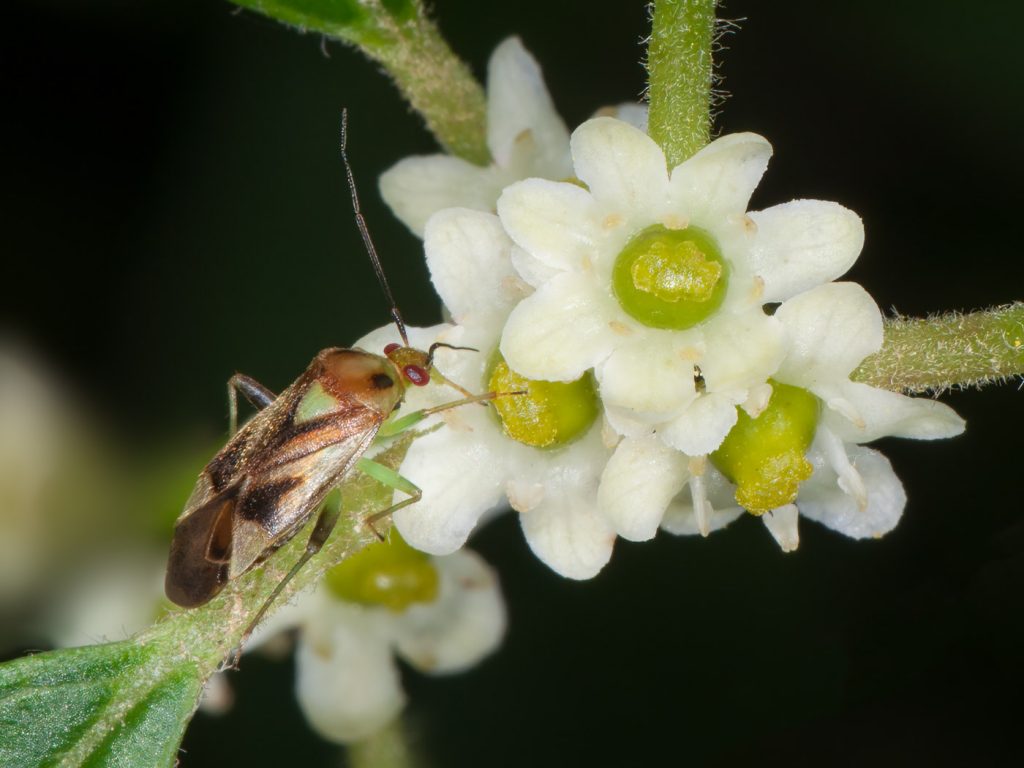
<point x="175" y="211"/>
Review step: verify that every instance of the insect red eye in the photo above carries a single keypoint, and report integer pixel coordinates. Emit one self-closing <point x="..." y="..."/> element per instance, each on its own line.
<point x="391" y="348"/>
<point x="416" y="375"/>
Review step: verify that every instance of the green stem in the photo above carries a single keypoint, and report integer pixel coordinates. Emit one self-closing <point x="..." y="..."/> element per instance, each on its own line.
<point x="680" y="74"/>
<point x="399" y="35"/>
<point x="948" y="351"/>
<point x="205" y="636"/>
<point x="441" y="88"/>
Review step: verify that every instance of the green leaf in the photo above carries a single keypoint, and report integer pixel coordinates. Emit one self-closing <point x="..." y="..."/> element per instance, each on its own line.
<point x="401" y="10"/>
<point x="346" y="19"/>
<point x="120" y="704"/>
<point x="127" y="704"/>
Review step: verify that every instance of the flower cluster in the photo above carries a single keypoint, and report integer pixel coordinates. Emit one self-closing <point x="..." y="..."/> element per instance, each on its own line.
<point x="440" y="614"/>
<point x="683" y="359"/>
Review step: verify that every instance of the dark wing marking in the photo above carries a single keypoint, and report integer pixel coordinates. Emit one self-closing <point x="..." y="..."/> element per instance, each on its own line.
<point x="263" y="499"/>
<point x="223" y="467"/>
<point x="193" y="576"/>
<point x="276" y="505"/>
<point x="265" y="483"/>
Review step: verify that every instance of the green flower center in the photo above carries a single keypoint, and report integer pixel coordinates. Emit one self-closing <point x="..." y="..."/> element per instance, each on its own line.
<point x="550" y="414"/>
<point x="670" y="278"/>
<point x="765" y="457"/>
<point x="387" y="573"/>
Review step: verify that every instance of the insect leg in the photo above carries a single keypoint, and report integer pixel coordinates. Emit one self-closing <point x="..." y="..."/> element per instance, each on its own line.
<point x="258" y="395"/>
<point x="392" y="428"/>
<point x="391" y="479"/>
<point x="325" y="523"/>
<point x="324" y="526"/>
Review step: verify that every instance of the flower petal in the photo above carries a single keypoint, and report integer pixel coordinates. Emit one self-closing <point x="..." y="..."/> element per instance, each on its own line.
<point x="568" y="533"/>
<point x="468" y="254"/>
<point x="647" y="376"/>
<point x="462" y="477"/>
<point x="518" y="101"/>
<point x="418" y="187"/>
<point x="552" y="220"/>
<point x="639" y="481"/>
<point x="622" y="166"/>
<point x="890" y="414"/>
<point x="531" y="269"/>
<point x="559" y="332"/>
<point x="721" y="177"/>
<point x="702" y="427"/>
<point x="626" y="423"/>
<point x="628" y="112"/>
<point x="821" y="498"/>
<point x="465" y="623"/>
<point x="346" y="681"/>
<point x="830" y="330"/>
<point x="680" y="519"/>
<point x="741" y="351"/>
<point x="804" y="243"/>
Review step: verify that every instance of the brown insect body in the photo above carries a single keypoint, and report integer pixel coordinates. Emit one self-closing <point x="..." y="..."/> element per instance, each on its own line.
<point x="273" y="474"/>
<point x="259" y="490"/>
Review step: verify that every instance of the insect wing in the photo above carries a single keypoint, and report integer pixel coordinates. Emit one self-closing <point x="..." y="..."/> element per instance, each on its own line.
<point x="259" y="490"/>
<point x="274" y="505"/>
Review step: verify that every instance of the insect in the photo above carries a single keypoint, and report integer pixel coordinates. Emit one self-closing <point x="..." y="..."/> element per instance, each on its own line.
<point x="275" y="472"/>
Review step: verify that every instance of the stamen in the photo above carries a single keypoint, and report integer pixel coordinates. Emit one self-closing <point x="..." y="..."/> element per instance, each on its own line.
<point x="850" y="480"/>
<point x="702" y="508"/>
<point x="782" y="525"/>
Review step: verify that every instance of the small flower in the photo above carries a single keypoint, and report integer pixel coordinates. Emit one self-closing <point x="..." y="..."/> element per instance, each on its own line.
<point x="656" y="279"/>
<point x="542" y="452"/>
<point x="802" y="454"/>
<point x="441" y="615"/>
<point x="524" y="133"/>
<point x="111" y="598"/>
<point x="56" y="483"/>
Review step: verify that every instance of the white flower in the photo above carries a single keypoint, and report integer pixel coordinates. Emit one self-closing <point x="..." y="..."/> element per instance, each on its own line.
<point x="471" y="465"/>
<point x="829" y="330"/>
<point x="572" y="238"/>
<point x="57" y="489"/>
<point x="525" y="135"/>
<point x="111" y="598"/>
<point x="347" y="682"/>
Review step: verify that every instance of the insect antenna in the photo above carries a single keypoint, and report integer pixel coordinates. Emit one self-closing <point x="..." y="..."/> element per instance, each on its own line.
<point x="367" y="241"/>
<point x="439" y="344"/>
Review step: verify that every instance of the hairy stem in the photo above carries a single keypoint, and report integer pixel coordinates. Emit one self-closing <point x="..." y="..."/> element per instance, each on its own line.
<point x="441" y="88"/>
<point x="409" y="46"/>
<point x="205" y="636"/>
<point x="680" y="71"/>
<point x="954" y="350"/>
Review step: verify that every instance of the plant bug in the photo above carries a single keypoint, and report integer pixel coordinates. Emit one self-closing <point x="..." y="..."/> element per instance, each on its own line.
<point x="274" y="473"/>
